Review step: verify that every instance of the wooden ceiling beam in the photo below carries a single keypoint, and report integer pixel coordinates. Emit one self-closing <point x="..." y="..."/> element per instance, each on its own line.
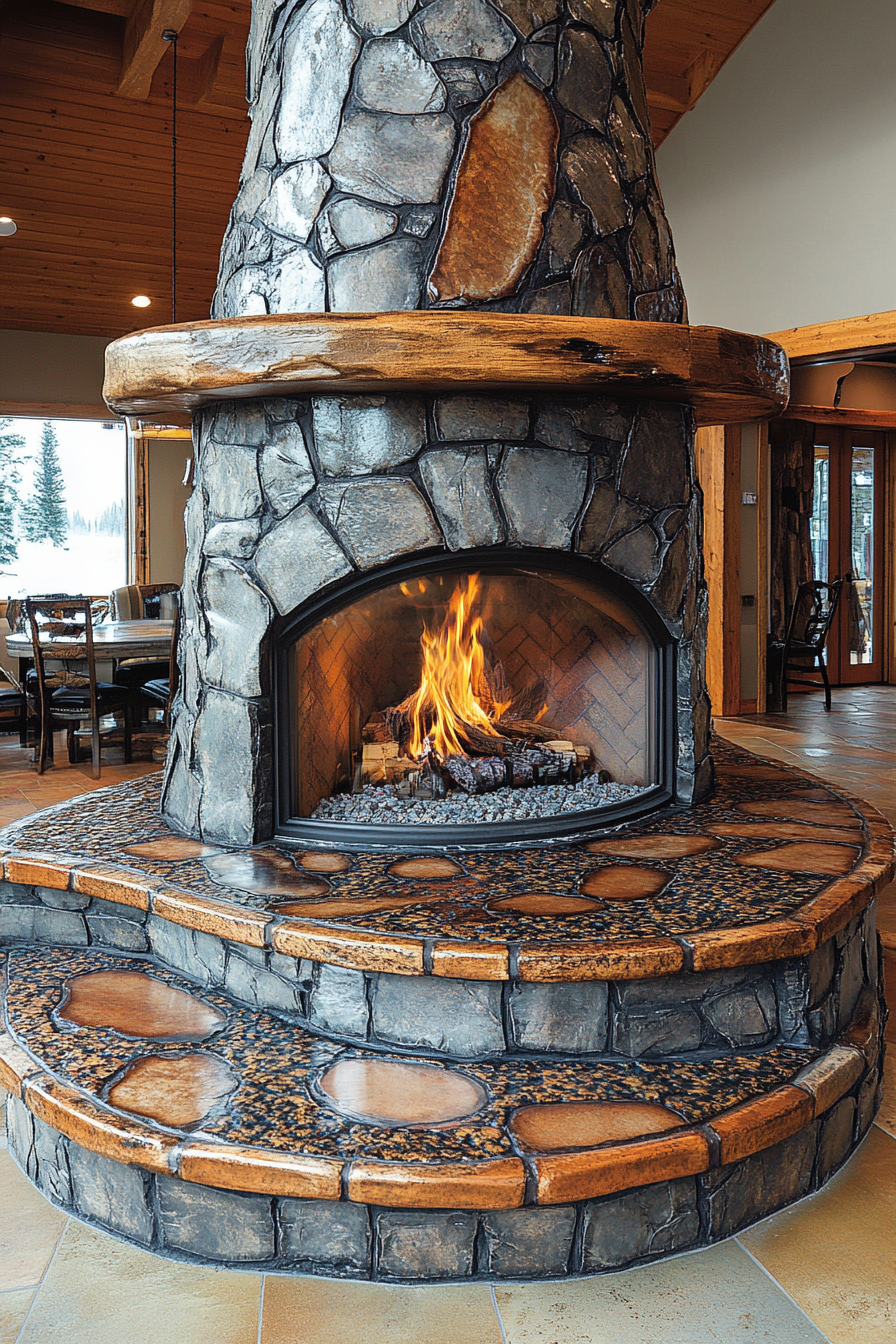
<point x="846" y="338"/>
<point x="144" y="46"/>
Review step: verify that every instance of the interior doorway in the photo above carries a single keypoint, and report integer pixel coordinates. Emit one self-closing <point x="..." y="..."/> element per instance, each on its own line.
<point x="847" y="538"/>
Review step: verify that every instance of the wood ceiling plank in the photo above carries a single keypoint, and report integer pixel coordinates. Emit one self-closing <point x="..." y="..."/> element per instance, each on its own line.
<point x="89" y="169"/>
<point x="686" y="44"/>
<point x="120" y="7"/>
<point x="144" y="46"/>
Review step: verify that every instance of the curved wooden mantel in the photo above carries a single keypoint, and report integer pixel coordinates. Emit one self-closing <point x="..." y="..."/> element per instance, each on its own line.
<point x="727" y="376"/>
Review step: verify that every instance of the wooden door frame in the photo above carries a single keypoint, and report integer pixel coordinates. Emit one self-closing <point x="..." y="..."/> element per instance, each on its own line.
<point x="717" y="452"/>
<point x="140" y="436"/>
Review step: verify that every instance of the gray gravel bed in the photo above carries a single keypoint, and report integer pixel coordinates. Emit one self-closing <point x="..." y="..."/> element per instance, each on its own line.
<point x="380" y="803"/>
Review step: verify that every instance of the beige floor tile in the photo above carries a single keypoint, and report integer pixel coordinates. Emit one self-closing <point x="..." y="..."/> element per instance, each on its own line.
<point x="836" y="1253"/>
<point x="886" y="1116"/>
<point x="890" y="991"/>
<point x="315" y="1311"/>
<point x="13" y="1310"/>
<point x="716" y="1295"/>
<point x="104" y="1292"/>
<point x="29" y="1228"/>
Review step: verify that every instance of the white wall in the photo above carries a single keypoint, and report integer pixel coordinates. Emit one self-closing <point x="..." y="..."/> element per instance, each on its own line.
<point x="780" y="185"/>
<point x="47" y="367"/>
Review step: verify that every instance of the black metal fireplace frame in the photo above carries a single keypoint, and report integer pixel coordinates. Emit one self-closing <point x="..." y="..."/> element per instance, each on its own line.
<point x="487" y="835"/>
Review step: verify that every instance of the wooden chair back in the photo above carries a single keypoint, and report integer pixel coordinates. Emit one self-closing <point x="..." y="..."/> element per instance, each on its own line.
<point x="62" y="631"/>
<point x="813" y="614"/>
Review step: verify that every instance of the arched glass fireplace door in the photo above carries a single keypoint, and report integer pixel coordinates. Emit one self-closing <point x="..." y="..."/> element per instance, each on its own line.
<point x="469" y="701"/>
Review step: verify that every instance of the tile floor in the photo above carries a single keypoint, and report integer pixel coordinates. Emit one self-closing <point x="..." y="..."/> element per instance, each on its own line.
<point x="823" y="1271"/>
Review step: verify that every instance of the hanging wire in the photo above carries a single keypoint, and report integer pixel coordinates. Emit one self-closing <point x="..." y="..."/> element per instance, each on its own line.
<point x="169" y="35"/>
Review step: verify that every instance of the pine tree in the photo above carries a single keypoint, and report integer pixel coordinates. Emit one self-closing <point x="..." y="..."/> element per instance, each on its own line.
<point x="44" y="516"/>
<point x="10" y="476"/>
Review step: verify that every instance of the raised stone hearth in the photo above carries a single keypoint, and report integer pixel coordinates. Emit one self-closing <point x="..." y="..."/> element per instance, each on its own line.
<point x="454" y="1085"/>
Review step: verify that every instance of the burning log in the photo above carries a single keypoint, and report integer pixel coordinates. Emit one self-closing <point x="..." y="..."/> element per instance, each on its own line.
<point x="476" y="774"/>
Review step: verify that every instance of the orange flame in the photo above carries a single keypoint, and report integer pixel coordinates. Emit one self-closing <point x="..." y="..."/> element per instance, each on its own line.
<point x="453" y="679"/>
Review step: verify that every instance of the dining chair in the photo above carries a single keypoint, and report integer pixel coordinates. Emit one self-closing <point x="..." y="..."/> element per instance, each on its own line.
<point x="62" y="632"/>
<point x="162" y="690"/>
<point x="802" y="648"/>
<point x="142" y="601"/>
<point x="13" y="707"/>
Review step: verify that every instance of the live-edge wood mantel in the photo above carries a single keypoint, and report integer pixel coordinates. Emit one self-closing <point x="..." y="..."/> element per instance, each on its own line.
<point x="727" y="376"/>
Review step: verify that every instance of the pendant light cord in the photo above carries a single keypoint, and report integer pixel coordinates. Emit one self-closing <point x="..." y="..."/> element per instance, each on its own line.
<point x="169" y="35"/>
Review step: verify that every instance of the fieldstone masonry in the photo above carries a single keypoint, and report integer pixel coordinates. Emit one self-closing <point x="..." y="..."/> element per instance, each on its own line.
<point x="294" y="498"/>
<point x="449" y="152"/>
<point x="410" y="155"/>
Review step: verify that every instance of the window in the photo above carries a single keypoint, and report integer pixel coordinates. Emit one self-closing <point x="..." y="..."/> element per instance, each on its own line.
<point x="62" y="506"/>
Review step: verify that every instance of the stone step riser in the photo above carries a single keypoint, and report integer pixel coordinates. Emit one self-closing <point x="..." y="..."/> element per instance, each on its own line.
<point x="226" y="1228"/>
<point x="800" y="1000"/>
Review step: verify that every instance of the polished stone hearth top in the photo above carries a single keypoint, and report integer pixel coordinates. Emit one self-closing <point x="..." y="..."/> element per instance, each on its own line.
<point x="255" y="1105"/>
<point x="767" y="868"/>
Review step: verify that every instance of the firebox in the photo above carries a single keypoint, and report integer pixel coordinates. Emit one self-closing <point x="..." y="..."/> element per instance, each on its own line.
<point x="472" y="700"/>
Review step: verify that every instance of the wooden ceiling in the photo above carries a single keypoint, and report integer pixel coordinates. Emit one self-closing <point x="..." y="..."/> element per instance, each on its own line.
<point x="85" y="114"/>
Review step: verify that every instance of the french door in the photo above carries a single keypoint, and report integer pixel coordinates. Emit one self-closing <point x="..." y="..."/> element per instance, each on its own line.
<point x="847" y="532"/>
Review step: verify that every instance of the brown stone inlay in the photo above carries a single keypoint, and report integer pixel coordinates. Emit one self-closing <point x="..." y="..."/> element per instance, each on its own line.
<point x="802" y="810"/>
<point x="174" y="1091"/>
<point x="833" y="859"/>
<point x="134" y="1004"/>
<point x="437" y="866"/>
<point x="543" y="903"/>
<point x="621" y="883"/>
<point x="264" y="872"/>
<point x="505" y="183"/>
<point x="388" y="1092"/>
<point x="175" y="848"/>
<point x="324" y="863"/>
<point x="781" y="830"/>
<point x="553" y="1126"/>
<point x="354" y="905"/>
<point x="654" y="846"/>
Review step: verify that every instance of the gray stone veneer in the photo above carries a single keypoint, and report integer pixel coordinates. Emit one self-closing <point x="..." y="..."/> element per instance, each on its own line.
<point x="807" y="1000"/>
<point x="293" y="499"/>
<point x="361" y="114"/>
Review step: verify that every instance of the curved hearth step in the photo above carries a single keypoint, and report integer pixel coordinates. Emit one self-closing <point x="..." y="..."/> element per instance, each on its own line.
<point x="201" y="1130"/>
<point x="746" y="921"/>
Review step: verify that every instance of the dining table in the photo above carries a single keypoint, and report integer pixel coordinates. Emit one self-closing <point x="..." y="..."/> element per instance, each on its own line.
<point x="113" y="641"/>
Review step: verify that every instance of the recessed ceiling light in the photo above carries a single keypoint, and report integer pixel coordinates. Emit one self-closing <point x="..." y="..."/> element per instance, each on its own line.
<point x="141" y="301"/>
<point x="7" y="226"/>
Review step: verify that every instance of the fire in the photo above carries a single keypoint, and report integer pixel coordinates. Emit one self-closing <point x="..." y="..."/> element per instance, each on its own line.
<point x="453" y="683"/>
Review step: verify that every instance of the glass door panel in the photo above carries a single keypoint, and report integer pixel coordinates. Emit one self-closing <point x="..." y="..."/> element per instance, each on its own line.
<point x="845" y="533"/>
<point x="861" y="555"/>
<point x="820" y="522"/>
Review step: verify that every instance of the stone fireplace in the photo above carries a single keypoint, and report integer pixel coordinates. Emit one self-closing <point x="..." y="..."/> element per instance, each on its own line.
<point x="443" y="950"/>
<point x="443" y="158"/>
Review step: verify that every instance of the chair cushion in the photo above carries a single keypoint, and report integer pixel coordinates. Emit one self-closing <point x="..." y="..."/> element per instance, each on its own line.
<point x="138" y="671"/>
<point x="159" y="690"/>
<point x="78" y="697"/>
<point x="10" y="696"/>
<point x="802" y="651"/>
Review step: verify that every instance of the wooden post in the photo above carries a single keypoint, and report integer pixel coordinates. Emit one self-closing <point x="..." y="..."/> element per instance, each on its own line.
<point x="718" y="471"/>
<point x="763" y="482"/>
